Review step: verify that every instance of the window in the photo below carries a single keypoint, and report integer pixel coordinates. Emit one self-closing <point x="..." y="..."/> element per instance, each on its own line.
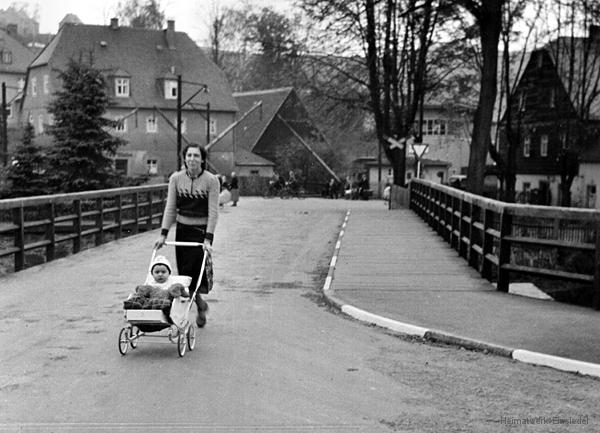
<point x="527" y="147"/>
<point x="552" y="96"/>
<point x="121" y="166"/>
<point x="121" y="125"/>
<point x="544" y="145"/>
<point x="30" y="118"/>
<point x="122" y="87"/>
<point x="183" y="125"/>
<point x="434" y="127"/>
<point x="213" y="127"/>
<point x="255" y="172"/>
<point x="6" y="57"/>
<point x="152" y="165"/>
<point x="46" y="84"/>
<point x="151" y="125"/>
<point x="33" y="86"/>
<point x="170" y="89"/>
<point x="40" y="124"/>
<point x="21" y="84"/>
<point x="590" y="196"/>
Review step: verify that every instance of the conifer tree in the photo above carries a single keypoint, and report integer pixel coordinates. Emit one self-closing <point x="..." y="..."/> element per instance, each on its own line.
<point x="79" y="159"/>
<point x="27" y="171"/>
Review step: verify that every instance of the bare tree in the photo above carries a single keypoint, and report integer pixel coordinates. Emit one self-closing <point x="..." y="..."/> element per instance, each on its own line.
<point x="148" y="15"/>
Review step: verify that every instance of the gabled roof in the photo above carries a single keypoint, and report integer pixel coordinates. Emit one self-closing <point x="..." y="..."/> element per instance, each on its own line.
<point x="249" y="130"/>
<point x="577" y="62"/>
<point x="21" y="56"/>
<point x="245" y="157"/>
<point x="145" y="54"/>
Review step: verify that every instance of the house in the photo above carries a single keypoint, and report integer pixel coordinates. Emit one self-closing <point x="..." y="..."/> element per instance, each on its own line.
<point x="279" y="135"/>
<point x="556" y="122"/>
<point x="142" y="68"/>
<point x="433" y="170"/>
<point x="14" y="60"/>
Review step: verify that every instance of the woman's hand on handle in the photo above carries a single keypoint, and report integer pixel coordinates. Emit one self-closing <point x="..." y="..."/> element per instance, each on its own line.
<point x="207" y="245"/>
<point x="160" y="242"/>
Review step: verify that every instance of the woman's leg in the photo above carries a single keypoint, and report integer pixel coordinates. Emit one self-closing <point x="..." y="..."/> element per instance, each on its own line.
<point x="189" y="262"/>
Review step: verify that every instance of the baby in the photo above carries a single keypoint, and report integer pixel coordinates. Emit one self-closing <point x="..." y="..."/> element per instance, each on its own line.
<point x="159" y="290"/>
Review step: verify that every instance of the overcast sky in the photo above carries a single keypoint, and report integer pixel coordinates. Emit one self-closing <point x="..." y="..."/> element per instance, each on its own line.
<point x="191" y="16"/>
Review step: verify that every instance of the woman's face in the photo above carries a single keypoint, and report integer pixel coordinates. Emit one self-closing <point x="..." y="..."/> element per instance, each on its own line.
<point x="193" y="159"/>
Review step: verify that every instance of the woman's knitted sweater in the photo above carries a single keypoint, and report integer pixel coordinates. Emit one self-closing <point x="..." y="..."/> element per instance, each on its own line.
<point x="192" y="201"/>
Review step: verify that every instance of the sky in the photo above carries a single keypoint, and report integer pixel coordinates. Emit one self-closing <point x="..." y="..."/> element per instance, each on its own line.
<point x="191" y="16"/>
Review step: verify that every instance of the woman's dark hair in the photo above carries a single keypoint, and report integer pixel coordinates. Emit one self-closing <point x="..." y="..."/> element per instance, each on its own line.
<point x="203" y="153"/>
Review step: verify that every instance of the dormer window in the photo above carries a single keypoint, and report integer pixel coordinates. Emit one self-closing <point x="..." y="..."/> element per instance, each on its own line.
<point x="122" y="87"/>
<point x="6" y="57"/>
<point x="170" y="89"/>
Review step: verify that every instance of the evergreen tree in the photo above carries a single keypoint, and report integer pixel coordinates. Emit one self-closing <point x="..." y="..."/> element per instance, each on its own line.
<point x="26" y="174"/>
<point x="80" y="157"/>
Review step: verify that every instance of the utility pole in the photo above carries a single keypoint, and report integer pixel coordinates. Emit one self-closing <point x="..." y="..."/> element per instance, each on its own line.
<point x="4" y="128"/>
<point x="207" y="123"/>
<point x="179" y="91"/>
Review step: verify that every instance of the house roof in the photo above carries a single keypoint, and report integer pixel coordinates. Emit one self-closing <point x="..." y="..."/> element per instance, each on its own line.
<point x="145" y="54"/>
<point x="577" y="63"/>
<point x="249" y="130"/>
<point x="20" y="54"/>
<point x="245" y="157"/>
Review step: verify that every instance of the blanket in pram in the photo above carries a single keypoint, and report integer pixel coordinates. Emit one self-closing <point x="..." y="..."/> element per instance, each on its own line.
<point x="148" y="297"/>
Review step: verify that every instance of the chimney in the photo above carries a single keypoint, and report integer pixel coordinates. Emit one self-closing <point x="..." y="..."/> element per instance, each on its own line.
<point x="11" y="29"/>
<point x="170" y="34"/>
<point x="594" y="33"/>
<point x="114" y="23"/>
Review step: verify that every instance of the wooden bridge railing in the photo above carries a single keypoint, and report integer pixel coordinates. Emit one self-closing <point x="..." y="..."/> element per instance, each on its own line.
<point x="500" y="239"/>
<point x="42" y="228"/>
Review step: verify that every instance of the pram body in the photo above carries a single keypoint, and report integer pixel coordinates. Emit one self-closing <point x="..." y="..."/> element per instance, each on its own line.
<point x="150" y="323"/>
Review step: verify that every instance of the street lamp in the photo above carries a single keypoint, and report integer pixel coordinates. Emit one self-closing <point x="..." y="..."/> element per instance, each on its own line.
<point x="419" y="150"/>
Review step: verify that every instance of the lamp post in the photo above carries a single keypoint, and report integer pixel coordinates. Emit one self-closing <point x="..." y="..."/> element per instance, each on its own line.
<point x="419" y="150"/>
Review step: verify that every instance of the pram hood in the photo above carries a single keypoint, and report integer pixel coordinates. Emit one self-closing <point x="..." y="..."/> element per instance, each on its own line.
<point x="161" y="260"/>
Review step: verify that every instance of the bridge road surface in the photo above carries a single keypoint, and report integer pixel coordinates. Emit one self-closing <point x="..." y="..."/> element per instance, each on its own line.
<point x="272" y="357"/>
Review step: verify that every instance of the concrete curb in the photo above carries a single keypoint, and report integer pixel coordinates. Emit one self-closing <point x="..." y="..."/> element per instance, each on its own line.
<point x="521" y="355"/>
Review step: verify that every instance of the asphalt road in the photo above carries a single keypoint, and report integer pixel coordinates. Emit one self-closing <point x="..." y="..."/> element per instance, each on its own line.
<point x="273" y="356"/>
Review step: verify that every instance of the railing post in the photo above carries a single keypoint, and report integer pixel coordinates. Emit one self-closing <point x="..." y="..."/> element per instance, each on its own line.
<point x="77" y="223"/>
<point x="487" y="244"/>
<point x="119" y="217"/>
<point x="596" y="288"/>
<point x="136" y="214"/>
<point x="19" y="221"/>
<point x="50" y="233"/>
<point x="100" y="221"/>
<point x="471" y="253"/>
<point x="504" y="251"/>
<point x="150" y="212"/>
<point x="462" y="248"/>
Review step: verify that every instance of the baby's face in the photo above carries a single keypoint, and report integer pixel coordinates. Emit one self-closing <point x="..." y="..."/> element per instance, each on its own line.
<point x="160" y="273"/>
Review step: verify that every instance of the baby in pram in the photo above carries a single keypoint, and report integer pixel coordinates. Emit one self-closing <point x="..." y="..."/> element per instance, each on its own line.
<point x="159" y="289"/>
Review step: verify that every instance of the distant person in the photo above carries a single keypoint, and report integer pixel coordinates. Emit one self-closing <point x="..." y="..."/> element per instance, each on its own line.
<point x="234" y="188"/>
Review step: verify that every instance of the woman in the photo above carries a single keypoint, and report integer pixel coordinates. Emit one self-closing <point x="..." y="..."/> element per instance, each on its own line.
<point x="192" y="202"/>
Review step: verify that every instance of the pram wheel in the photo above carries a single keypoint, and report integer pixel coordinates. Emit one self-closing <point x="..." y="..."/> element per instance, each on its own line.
<point x="134" y="336"/>
<point x="181" y="343"/>
<point x="123" y="341"/>
<point x="191" y="337"/>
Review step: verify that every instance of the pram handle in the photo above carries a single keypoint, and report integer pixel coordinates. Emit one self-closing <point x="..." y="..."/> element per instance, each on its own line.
<point x="184" y="244"/>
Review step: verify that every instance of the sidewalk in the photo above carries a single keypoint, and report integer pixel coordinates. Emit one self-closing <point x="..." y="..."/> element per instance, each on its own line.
<point x="392" y="269"/>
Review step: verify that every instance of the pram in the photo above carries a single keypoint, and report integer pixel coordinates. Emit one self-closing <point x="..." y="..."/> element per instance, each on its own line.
<point x="150" y="323"/>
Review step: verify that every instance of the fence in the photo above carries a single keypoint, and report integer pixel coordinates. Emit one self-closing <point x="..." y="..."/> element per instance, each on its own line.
<point x="501" y="239"/>
<point x="42" y="228"/>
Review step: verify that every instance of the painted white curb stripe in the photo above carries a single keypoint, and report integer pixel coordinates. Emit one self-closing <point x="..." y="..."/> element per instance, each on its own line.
<point x="333" y="261"/>
<point x="365" y="316"/>
<point x="557" y="362"/>
<point x="327" y="284"/>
